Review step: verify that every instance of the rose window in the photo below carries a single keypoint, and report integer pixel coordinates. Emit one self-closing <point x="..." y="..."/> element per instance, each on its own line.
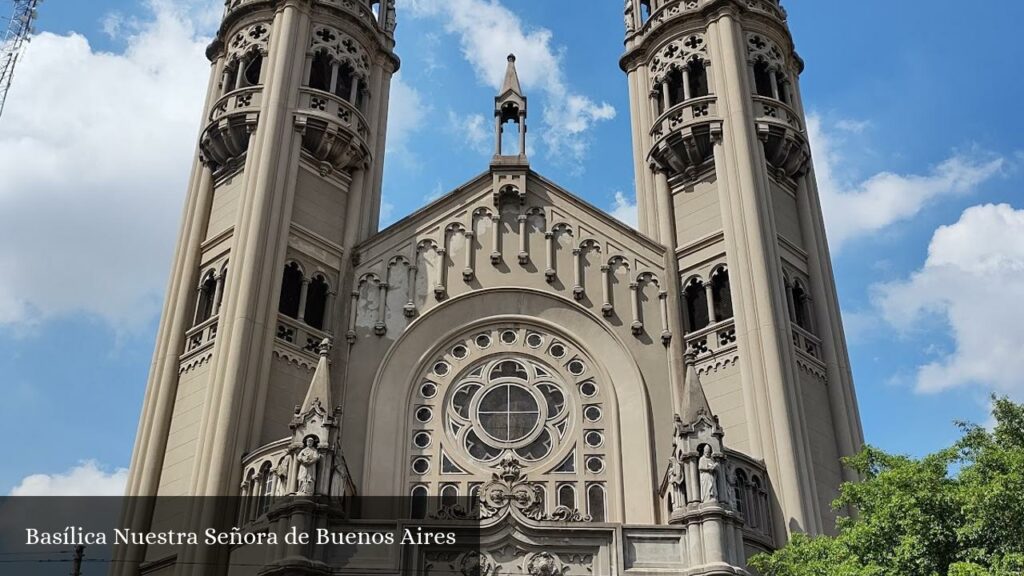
<point x="508" y="404"/>
<point x="511" y="393"/>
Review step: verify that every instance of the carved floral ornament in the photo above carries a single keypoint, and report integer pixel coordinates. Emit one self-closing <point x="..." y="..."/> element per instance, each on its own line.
<point x="342" y="47"/>
<point x="762" y="49"/>
<point x="255" y="37"/>
<point x="677" y="54"/>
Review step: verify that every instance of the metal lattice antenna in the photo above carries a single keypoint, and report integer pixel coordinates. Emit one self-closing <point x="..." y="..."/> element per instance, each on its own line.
<point x="16" y="31"/>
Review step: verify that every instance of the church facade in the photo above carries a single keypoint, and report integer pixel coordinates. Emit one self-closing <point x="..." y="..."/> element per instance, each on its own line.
<point x="667" y="400"/>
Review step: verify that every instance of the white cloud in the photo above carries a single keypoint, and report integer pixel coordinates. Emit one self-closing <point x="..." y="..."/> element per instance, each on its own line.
<point x="488" y="32"/>
<point x="406" y="111"/>
<point x="95" y="153"/>
<point x="88" y="478"/>
<point x="474" y="129"/>
<point x="972" y="282"/>
<point x="854" y="209"/>
<point x="624" y="210"/>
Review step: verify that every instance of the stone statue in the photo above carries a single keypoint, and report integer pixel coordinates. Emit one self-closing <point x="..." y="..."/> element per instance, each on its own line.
<point x="676" y="483"/>
<point x="628" y="16"/>
<point x="708" y="467"/>
<point x="308" y="458"/>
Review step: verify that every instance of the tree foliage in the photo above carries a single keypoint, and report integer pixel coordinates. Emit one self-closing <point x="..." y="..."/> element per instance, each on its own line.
<point x="957" y="512"/>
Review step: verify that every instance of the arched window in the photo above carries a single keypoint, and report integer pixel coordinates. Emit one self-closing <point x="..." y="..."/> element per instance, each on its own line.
<point x="696" y="301"/>
<point x="698" y="76"/>
<point x="207" y="293"/>
<point x="595" y="502"/>
<point x="763" y="80"/>
<point x="291" y="290"/>
<point x="316" y="302"/>
<point x="674" y="86"/>
<point x="783" y="86"/>
<point x="801" y="306"/>
<point x="722" y="295"/>
<point x="758" y="504"/>
<point x="418" y="503"/>
<point x="511" y="393"/>
<point x="230" y="80"/>
<point x="252" y="66"/>
<point x="320" y="72"/>
<point x="449" y="495"/>
<point x="567" y="496"/>
<point x="346" y="83"/>
<point x="740" y="493"/>
<point x="267" y="478"/>
<point x="645" y="11"/>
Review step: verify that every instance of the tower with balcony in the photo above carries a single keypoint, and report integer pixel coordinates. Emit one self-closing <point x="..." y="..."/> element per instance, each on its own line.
<point x="286" y="182"/>
<point x="725" y="181"/>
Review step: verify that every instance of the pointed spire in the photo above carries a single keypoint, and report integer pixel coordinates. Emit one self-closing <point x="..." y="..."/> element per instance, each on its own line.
<point x="319" y="394"/>
<point x="695" y="403"/>
<point x="511" y="82"/>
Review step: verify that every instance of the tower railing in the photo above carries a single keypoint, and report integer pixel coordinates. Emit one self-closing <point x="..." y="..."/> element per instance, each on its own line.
<point x="335" y="131"/>
<point x="683" y="135"/>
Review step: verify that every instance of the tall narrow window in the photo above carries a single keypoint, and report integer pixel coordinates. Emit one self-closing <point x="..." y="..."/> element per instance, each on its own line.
<point x="567" y="496"/>
<point x="645" y="10"/>
<point x="763" y="80"/>
<point x="722" y="294"/>
<point x="266" y="489"/>
<point x="204" y="307"/>
<point x="596" y="502"/>
<point x="320" y="72"/>
<point x="346" y="81"/>
<point x="674" y="85"/>
<point x="801" y="306"/>
<point x="291" y="290"/>
<point x="783" y="84"/>
<point x="696" y="299"/>
<point x="316" y="302"/>
<point x="418" y="503"/>
<point x="252" y="66"/>
<point x="230" y="76"/>
<point x="698" y="74"/>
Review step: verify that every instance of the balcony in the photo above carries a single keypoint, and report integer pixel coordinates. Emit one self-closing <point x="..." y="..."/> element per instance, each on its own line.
<point x="782" y="133"/>
<point x="668" y="11"/>
<point x="200" y="337"/>
<point x="232" y="121"/>
<point x="713" y="340"/>
<point x="333" y="130"/>
<point x="684" y="136"/>
<point x="299" y="337"/>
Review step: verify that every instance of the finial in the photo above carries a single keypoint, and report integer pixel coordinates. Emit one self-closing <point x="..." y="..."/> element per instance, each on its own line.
<point x="511" y="57"/>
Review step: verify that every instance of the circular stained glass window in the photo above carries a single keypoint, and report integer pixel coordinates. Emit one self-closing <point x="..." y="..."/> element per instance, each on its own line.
<point x="428" y="390"/>
<point x="508" y="413"/>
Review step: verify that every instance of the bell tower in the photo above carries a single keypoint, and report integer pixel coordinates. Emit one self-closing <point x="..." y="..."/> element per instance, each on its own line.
<point x="724" y="179"/>
<point x="287" y="179"/>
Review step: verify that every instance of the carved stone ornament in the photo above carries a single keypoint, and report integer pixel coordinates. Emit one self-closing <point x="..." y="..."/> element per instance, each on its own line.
<point x="342" y="47"/>
<point x="511" y="492"/>
<point x="677" y="54"/>
<point x="761" y="49"/>
<point x="255" y="37"/>
<point x="544" y="564"/>
<point x="474" y="563"/>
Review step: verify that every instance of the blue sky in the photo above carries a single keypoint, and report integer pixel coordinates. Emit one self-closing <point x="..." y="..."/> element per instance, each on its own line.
<point x="916" y="138"/>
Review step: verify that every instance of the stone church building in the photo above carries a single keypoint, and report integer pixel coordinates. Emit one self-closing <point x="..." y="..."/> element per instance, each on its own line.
<point x="666" y="400"/>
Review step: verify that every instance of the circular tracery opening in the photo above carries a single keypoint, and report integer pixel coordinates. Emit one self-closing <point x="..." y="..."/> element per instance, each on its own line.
<point x="508" y="413"/>
<point x="508" y="404"/>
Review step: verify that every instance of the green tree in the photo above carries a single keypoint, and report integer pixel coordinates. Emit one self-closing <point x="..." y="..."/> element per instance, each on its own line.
<point x="958" y="512"/>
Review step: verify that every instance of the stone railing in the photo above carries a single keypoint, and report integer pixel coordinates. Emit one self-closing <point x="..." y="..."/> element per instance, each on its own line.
<point x="668" y="11"/>
<point x="333" y="130"/>
<point x="232" y="121"/>
<point x="683" y="136"/>
<point x="712" y="340"/>
<point x="806" y="343"/>
<point x="200" y="337"/>
<point x="772" y="111"/>
<point x="299" y="335"/>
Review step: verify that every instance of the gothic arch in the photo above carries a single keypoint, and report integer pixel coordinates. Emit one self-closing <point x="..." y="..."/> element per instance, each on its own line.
<point x="630" y="464"/>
